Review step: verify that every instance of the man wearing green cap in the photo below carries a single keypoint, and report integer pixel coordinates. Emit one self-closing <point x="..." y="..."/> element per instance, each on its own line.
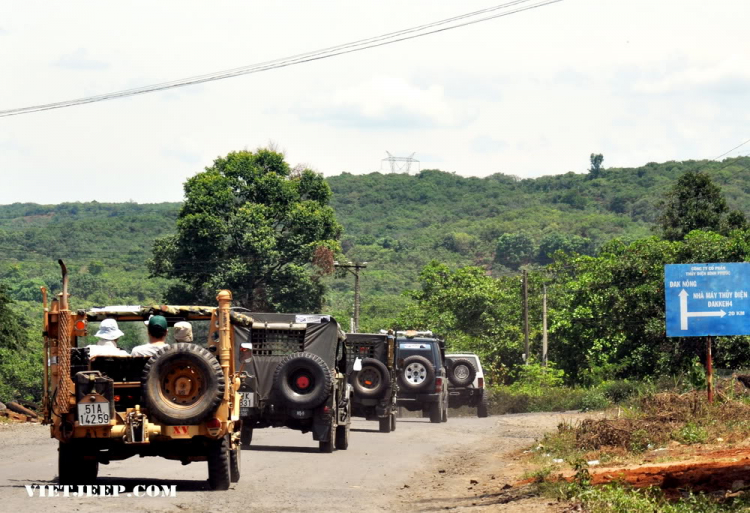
<point x="157" y="337"/>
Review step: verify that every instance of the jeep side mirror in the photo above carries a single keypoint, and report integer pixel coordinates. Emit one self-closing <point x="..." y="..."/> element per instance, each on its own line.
<point x="357" y="365"/>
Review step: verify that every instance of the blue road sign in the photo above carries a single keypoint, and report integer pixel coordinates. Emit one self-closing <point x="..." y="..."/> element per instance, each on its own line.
<point x="707" y="299"/>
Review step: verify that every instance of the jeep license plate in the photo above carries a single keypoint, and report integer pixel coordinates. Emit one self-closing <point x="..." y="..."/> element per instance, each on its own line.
<point x="93" y="414"/>
<point x="300" y="414"/>
<point x="247" y="400"/>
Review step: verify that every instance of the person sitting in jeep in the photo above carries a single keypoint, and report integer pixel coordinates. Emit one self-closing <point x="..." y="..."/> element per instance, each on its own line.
<point x="157" y="337"/>
<point x="108" y="335"/>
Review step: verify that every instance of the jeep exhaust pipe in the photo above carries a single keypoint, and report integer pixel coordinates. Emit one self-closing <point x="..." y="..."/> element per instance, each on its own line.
<point x="64" y="298"/>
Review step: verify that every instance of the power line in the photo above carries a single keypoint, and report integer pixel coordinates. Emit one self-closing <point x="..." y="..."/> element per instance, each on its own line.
<point x="730" y="151"/>
<point x="364" y="44"/>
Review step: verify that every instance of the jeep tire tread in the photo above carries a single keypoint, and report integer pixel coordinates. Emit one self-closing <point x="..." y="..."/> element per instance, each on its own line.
<point x="319" y="377"/>
<point x="235" y="464"/>
<point x="326" y="446"/>
<point x="385" y="424"/>
<point x="483" y="406"/>
<point x="73" y="468"/>
<point x="203" y="372"/>
<point x="436" y="412"/>
<point x="371" y="366"/>
<point x="411" y="364"/>
<point x="219" y="475"/>
<point x="462" y="373"/>
<point x="342" y="437"/>
<point x="246" y="436"/>
<point x="393" y="421"/>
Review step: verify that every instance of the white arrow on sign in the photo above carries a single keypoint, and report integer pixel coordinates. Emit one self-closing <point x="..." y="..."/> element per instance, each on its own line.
<point x="684" y="314"/>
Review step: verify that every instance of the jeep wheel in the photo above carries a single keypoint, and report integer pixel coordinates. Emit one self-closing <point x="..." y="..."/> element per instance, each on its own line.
<point x="246" y="436"/>
<point x="235" y="464"/>
<point x="372" y="381"/>
<point x="483" y="407"/>
<point x="182" y="384"/>
<point x="393" y="422"/>
<point x="436" y="412"/>
<point x="342" y="437"/>
<point x="462" y="373"/>
<point x="326" y="446"/>
<point x="418" y="373"/>
<point x="303" y="380"/>
<point x="73" y="468"/>
<point x="385" y="424"/>
<point x="219" y="475"/>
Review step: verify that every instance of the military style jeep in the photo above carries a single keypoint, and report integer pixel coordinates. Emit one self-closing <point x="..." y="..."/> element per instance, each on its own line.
<point x="466" y="383"/>
<point x="371" y="367"/>
<point x="422" y="374"/>
<point x="297" y="365"/>
<point x="182" y="403"/>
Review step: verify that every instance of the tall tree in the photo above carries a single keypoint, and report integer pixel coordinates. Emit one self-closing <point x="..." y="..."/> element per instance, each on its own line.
<point x="693" y="203"/>
<point x="253" y="225"/>
<point x="596" y="160"/>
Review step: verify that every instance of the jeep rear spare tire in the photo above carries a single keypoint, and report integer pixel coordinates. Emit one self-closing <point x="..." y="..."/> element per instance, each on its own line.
<point x="462" y="373"/>
<point x="182" y="384"/>
<point x="372" y="381"/>
<point x="303" y="380"/>
<point x="417" y="374"/>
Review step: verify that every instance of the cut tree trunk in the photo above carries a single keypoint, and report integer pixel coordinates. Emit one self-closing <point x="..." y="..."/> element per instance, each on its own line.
<point x="21" y="409"/>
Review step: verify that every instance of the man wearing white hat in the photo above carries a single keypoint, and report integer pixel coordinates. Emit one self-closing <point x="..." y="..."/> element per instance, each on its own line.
<point x="108" y="335"/>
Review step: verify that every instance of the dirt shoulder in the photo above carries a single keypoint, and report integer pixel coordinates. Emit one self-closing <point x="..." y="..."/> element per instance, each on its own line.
<point x="481" y="476"/>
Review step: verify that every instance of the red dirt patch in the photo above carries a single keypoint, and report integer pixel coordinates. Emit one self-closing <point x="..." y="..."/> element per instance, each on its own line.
<point x="726" y="469"/>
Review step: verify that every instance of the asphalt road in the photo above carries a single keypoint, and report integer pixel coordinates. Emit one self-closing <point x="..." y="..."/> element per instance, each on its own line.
<point x="282" y="472"/>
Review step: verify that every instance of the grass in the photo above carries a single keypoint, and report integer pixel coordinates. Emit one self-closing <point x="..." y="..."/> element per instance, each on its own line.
<point x="643" y="422"/>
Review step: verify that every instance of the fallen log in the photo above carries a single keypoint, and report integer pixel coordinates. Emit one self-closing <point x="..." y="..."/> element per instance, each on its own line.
<point x="15" y="416"/>
<point x="22" y="410"/>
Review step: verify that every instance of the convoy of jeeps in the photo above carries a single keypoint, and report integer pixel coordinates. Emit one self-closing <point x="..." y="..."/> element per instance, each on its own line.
<point x="201" y="400"/>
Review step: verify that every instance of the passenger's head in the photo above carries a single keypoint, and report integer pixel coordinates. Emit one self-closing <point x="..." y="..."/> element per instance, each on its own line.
<point x="157" y="327"/>
<point x="108" y="332"/>
<point x="183" y="332"/>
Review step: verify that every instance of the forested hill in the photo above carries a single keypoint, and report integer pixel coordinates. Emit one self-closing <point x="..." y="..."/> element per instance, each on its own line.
<point x="396" y="222"/>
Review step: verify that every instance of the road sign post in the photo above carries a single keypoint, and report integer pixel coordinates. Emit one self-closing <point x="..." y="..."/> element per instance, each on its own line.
<point x="707" y="300"/>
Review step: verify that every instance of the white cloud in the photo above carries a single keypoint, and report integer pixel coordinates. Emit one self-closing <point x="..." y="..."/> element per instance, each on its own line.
<point x="731" y="75"/>
<point x="385" y="102"/>
<point x="80" y="60"/>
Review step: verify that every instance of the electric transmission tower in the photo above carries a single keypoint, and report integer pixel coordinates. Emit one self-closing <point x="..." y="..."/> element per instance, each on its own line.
<point x="400" y="164"/>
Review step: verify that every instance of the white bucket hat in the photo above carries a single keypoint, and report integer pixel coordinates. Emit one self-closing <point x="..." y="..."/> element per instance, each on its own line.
<point x="183" y="332"/>
<point x="108" y="330"/>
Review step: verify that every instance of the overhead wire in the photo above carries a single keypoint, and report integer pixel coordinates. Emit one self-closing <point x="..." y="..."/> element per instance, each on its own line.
<point x="364" y="44"/>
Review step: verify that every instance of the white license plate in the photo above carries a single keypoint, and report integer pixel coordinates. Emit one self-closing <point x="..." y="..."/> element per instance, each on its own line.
<point x="247" y="400"/>
<point x="93" y="414"/>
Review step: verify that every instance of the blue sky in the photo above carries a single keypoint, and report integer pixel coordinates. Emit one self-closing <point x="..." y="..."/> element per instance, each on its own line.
<point x="529" y="94"/>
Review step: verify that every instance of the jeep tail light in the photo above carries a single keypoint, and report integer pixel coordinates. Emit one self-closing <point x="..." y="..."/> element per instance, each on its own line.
<point x="438" y="385"/>
<point x="481" y="382"/>
<point x="117" y="398"/>
<point x="326" y="410"/>
<point x="213" y="424"/>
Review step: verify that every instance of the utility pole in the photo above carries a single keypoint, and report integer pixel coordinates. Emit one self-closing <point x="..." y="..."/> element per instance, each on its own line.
<point x="353" y="267"/>
<point x="526" y="315"/>
<point x="544" y="326"/>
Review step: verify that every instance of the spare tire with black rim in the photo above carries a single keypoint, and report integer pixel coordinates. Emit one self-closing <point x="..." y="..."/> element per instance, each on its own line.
<point x="182" y="384"/>
<point x="462" y="372"/>
<point x="303" y="380"/>
<point x="417" y="374"/>
<point x="372" y="381"/>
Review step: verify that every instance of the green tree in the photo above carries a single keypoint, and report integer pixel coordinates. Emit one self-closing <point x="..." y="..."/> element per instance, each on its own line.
<point x="515" y="249"/>
<point x="255" y="226"/>
<point x="12" y="327"/>
<point x="695" y="202"/>
<point x="596" y="159"/>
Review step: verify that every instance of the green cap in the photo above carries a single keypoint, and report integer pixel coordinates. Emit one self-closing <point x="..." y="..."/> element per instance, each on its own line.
<point x="158" y="320"/>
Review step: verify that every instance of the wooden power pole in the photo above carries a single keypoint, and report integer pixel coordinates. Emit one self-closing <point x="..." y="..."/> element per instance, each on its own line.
<point x="526" y="315"/>
<point x="354" y="267"/>
<point x="544" y="326"/>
